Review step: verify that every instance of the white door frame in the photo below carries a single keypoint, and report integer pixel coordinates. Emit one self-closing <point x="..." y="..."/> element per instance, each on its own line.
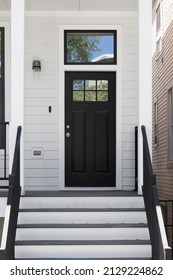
<point x="114" y="68"/>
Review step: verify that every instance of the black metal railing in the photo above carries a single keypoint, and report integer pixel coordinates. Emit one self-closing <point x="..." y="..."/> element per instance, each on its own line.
<point x="3" y="147"/>
<point x="8" y="242"/>
<point x="136" y="158"/>
<point x="167" y="210"/>
<point x="160" y="248"/>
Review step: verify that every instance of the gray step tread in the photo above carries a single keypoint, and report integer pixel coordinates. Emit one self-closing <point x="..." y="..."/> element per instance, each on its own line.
<point x="81" y="242"/>
<point x="81" y="209"/>
<point x="76" y="193"/>
<point x="118" y="225"/>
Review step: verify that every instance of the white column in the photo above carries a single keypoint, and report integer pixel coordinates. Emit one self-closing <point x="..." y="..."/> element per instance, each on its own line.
<point x="17" y="79"/>
<point x="145" y="80"/>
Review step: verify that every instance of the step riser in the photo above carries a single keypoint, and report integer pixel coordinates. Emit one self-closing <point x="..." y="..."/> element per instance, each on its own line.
<point x="81" y="202"/>
<point x="82" y="234"/>
<point x="81" y="217"/>
<point x="84" y="251"/>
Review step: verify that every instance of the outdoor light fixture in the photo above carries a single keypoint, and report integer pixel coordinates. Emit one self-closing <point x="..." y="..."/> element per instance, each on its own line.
<point x="36" y="65"/>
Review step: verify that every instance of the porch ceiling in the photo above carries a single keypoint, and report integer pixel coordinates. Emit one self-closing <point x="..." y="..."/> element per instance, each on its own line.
<point x="74" y="5"/>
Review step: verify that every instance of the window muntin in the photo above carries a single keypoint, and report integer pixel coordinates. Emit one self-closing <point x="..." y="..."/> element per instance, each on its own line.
<point x="90" y="47"/>
<point x="90" y="91"/>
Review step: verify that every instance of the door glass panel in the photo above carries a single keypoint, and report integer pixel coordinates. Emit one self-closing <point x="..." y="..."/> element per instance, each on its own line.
<point x="90" y="96"/>
<point x="86" y="47"/>
<point x="102" y="96"/>
<point x="102" y="85"/>
<point x="90" y="85"/>
<point x="78" y="95"/>
<point x="90" y="90"/>
<point x="78" y="85"/>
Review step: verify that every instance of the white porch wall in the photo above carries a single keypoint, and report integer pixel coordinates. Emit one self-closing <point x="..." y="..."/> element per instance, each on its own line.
<point x="17" y="79"/>
<point x="41" y="91"/>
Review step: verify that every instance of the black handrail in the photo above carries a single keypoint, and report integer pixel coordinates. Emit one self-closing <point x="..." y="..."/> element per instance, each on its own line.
<point x="3" y="146"/>
<point x="160" y="248"/>
<point x="136" y="158"/>
<point x="13" y="200"/>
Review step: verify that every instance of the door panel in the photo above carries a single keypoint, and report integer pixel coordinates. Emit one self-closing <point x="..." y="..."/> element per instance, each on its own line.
<point x="78" y="143"/>
<point x="90" y="129"/>
<point x="101" y="142"/>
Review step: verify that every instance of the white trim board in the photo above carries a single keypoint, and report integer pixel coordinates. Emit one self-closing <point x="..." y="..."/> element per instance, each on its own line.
<point x="115" y="68"/>
<point x="6" y="25"/>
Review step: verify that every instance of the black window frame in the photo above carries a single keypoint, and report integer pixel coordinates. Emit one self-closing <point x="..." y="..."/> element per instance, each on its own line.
<point x="90" y="32"/>
<point x="2" y="97"/>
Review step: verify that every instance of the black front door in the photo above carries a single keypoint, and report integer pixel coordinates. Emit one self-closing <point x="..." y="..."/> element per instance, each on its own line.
<point x="90" y="128"/>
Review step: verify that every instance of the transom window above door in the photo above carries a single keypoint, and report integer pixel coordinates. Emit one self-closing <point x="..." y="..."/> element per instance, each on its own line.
<point x="90" y="47"/>
<point x="90" y="90"/>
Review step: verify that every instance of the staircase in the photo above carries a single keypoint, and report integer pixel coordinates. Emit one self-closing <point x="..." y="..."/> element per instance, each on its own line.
<point x="82" y="225"/>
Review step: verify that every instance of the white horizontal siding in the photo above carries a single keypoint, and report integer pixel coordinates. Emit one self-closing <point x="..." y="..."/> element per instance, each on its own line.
<point x="130" y="101"/>
<point x="45" y="145"/>
<point x="45" y="154"/>
<point x="41" y="128"/>
<point x="41" y="163"/>
<point x="37" y="138"/>
<point x="41" y="91"/>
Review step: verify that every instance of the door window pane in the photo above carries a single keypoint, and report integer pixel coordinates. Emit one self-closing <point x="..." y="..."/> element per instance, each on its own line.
<point x="78" y="95"/>
<point x="90" y="96"/>
<point x="78" y="85"/>
<point x="90" y="85"/>
<point x="102" y="85"/>
<point x="102" y="96"/>
<point x="86" y="47"/>
<point x="90" y="90"/>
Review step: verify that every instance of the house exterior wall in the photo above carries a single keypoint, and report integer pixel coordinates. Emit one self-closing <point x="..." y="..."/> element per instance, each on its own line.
<point x="42" y="90"/>
<point x="162" y="81"/>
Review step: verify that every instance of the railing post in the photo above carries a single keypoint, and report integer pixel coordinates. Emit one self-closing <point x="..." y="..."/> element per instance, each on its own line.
<point x="136" y="158"/>
<point x="12" y="203"/>
<point x="3" y="129"/>
<point x="160" y="248"/>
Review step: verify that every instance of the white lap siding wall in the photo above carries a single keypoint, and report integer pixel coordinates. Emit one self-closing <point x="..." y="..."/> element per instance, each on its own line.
<point x="42" y="91"/>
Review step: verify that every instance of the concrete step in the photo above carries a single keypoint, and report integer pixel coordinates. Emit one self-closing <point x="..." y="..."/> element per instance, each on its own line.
<point x="83" y="232"/>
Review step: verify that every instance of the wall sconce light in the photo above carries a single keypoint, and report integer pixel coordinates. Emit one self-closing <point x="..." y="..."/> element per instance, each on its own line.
<point x="36" y="65"/>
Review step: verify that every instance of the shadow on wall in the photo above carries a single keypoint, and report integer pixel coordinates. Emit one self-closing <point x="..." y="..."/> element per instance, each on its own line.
<point x="1" y="227"/>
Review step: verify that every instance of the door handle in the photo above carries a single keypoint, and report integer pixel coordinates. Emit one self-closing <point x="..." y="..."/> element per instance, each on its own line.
<point x="67" y="134"/>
